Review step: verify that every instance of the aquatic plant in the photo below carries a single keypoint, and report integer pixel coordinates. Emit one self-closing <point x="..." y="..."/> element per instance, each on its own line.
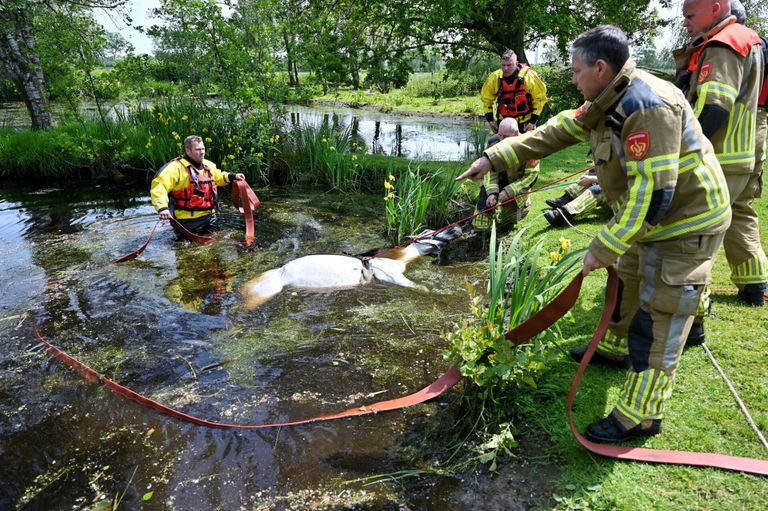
<point x="324" y="156"/>
<point x="476" y="143"/>
<point x="519" y="284"/>
<point x="407" y="198"/>
<point x="415" y="199"/>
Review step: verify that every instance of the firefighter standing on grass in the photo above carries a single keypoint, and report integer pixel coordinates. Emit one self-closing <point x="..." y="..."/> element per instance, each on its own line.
<point x="671" y="209"/>
<point x="516" y="91"/>
<point x="721" y="72"/>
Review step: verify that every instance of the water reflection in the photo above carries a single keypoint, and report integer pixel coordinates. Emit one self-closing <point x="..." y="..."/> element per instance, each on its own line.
<point x="409" y="136"/>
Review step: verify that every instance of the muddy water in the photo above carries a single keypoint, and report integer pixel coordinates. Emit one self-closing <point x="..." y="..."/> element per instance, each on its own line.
<point x="171" y="325"/>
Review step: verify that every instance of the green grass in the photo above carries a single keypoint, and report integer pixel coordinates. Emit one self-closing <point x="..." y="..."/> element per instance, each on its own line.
<point x="400" y="100"/>
<point x="701" y="415"/>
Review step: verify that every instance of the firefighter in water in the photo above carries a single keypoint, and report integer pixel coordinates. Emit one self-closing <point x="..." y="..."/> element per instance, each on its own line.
<point x="517" y="91"/>
<point x="721" y="72"/>
<point x="671" y="208"/>
<point x="186" y="188"/>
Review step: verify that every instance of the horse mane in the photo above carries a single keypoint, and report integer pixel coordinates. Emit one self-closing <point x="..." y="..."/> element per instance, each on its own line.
<point x="397" y="253"/>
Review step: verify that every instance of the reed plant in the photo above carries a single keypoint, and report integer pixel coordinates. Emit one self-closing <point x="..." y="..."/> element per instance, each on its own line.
<point x="144" y="137"/>
<point x="476" y="143"/>
<point x="521" y="279"/>
<point x="407" y="198"/>
<point x="415" y="199"/>
<point x="323" y="156"/>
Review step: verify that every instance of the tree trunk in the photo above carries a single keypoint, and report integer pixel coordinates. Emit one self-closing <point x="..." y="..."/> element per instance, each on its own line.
<point x="289" y="57"/>
<point x="21" y="64"/>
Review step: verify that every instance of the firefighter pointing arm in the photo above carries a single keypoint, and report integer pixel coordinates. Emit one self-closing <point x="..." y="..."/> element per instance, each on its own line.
<point x="186" y="188"/>
<point x="670" y="202"/>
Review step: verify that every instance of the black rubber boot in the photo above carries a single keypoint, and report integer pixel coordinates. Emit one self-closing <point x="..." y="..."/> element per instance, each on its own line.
<point x="696" y="336"/>
<point x="578" y="353"/>
<point x="554" y="217"/>
<point x="610" y="430"/>
<point x="559" y="202"/>
<point x="753" y="294"/>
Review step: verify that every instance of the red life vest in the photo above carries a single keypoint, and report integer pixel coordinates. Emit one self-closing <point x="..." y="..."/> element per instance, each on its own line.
<point x="200" y="195"/>
<point x="737" y="37"/>
<point x="513" y="99"/>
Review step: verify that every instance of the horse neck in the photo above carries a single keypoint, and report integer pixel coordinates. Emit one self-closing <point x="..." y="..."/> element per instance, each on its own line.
<point x="403" y="254"/>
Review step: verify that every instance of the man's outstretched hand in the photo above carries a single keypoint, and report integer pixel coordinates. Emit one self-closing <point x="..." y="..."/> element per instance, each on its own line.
<point x="478" y="169"/>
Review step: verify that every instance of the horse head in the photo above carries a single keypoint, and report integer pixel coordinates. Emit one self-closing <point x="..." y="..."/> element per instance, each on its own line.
<point x="431" y="242"/>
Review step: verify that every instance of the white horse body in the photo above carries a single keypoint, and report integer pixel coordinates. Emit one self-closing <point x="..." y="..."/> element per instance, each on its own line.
<point x="327" y="272"/>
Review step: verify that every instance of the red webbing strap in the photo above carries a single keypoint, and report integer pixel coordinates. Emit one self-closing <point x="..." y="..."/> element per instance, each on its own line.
<point x="701" y="459"/>
<point x="442" y="384"/>
<point x="82" y="369"/>
<point x="445" y="382"/>
<point x="241" y="191"/>
<point x="135" y="253"/>
<point x="203" y="240"/>
<point x="533" y="326"/>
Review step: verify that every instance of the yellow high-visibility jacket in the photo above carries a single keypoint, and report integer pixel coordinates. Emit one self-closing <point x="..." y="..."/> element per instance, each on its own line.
<point x="533" y="85"/>
<point x="173" y="176"/>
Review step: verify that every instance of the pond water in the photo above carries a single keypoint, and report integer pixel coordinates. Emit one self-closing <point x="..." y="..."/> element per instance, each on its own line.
<point x="171" y="325"/>
<point x="438" y="138"/>
<point x="422" y="137"/>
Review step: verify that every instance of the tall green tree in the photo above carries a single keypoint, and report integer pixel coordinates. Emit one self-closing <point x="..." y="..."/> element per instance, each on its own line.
<point x="495" y="25"/>
<point x="24" y="44"/>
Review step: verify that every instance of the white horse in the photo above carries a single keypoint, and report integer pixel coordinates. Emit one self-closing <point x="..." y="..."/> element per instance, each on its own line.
<point x="327" y="272"/>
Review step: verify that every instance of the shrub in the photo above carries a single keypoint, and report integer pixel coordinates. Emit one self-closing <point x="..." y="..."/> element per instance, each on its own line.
<point x="561" y="91"/>
<point x="518" y="286"/>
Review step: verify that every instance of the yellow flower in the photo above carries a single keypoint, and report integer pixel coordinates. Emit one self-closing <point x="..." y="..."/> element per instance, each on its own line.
<point x="260" y="155"/>
<point x="208" y="139"/>
<point x="354" y="157"/>
<point x="391" y="177"/>
<point x="387" y="185"/>
<point x="178" y="144"/>
<point x="205" y="130"/>
<point x="184" y="118"/>
<point x="333" y="148"/>
<point x="565" y="244"/>
<point x="391" y="196"/>
<point x="231" y="157"/>
<point x="175" y="135"/>
<point x="325" y="140"/>
<point x="555" y="257"/>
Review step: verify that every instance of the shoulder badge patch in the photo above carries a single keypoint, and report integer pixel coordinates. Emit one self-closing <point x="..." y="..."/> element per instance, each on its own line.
<point x="704" y="72"/>
<point x="638" y="144"/>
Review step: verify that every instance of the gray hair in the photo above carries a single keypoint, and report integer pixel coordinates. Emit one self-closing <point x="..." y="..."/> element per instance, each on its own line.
<point x="192" y="139"/>
<point x="604" y="42"/>
<point x="509" y="55"/>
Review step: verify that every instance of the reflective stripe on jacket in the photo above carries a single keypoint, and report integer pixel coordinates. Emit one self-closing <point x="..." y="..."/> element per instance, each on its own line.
<point x="657" y="169"/>
<point x="726" y="70"/>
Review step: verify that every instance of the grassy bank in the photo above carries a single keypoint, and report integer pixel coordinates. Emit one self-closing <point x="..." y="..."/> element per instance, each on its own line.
<point x="702" y="415"/>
